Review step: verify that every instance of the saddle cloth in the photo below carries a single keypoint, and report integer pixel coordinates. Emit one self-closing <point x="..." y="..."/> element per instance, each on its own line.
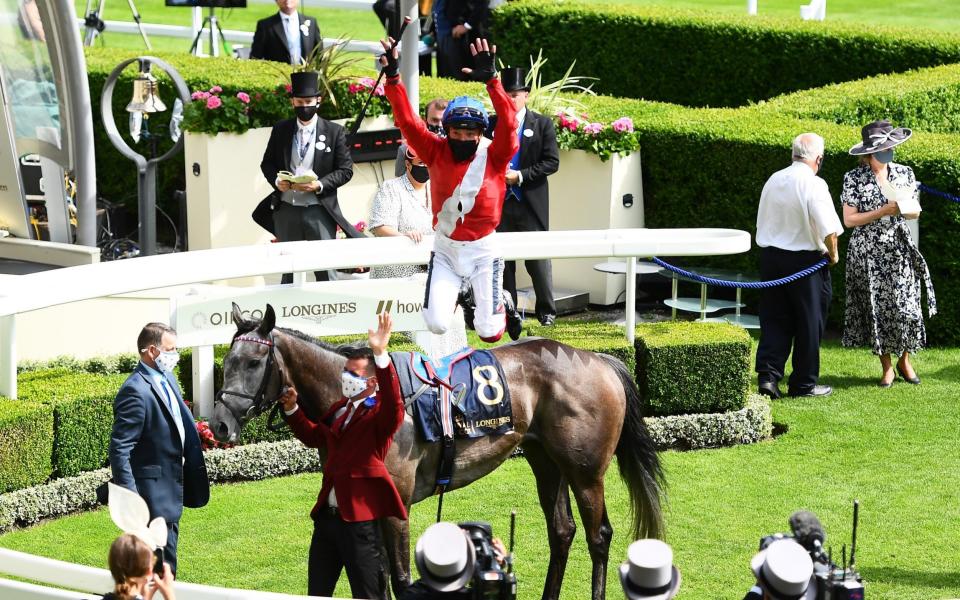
<point x="474" y="382"/>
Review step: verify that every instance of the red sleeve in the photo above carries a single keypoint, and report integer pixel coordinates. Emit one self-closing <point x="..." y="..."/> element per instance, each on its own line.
<point x="505" y="143"/>
<point x="425" y="143"/>
<point x="390" y="415"/>
<point x="313" y="435"/>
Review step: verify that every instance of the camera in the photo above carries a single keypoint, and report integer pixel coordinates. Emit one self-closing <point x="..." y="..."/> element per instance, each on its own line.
<point x="158" y="562"/>
<point x="490" y="580"/>
<point x="834" y="582"/>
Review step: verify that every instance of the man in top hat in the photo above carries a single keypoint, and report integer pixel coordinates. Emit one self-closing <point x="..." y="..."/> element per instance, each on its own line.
<point x="287" y="37"/>
<point x="303" y="145"/>
<point x="446" y="560"/>
<point x="467" y="188"/>
<point x="356" y="433"/>
<point x="784" y="571"/>
<point x="797" y="225"/>
<point x="648" y="573"/>
<point x="526" y="206"/>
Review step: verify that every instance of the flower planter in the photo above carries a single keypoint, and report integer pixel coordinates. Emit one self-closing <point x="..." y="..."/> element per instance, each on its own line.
<point x="587" y="193"/>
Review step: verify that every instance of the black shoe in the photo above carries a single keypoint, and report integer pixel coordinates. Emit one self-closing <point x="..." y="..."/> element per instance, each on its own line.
<point x="465" y="300"/>
<point x="514" y="320"/>
<point x="770" y="389"/>
<point x="815" y="392"/>
<point x="548" y="320"/>
<point x="913" y="380"/>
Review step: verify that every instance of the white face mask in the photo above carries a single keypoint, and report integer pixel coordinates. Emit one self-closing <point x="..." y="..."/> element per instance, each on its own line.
<point x="351" y="385"/>
<point x="167" y="361"/>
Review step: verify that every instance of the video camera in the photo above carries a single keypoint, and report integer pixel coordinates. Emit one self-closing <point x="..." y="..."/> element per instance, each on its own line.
<point x="491" y="580"/>
<point x="834" y="582"/>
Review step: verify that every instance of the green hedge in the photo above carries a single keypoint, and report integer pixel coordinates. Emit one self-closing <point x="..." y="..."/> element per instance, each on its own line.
<point x="706" y="58"/>
<point x="684" y="367"/>
<point x="595" y="336"/>
<point x="26" y="444"/>
<point x="82" y="407"/>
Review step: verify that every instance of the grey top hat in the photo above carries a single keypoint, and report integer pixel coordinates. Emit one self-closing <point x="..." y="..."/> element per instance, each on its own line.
<point x="785" y="571"/>
<point x="648" y="573"/>
<point x="445" y="557"/>
<point x="879" y="136"/>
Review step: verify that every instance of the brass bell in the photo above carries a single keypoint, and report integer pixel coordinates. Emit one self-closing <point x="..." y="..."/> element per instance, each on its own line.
<point x="145" y="92"/>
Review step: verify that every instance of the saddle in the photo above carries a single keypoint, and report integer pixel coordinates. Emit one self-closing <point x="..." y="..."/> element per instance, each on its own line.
<point x="464" y="395"/>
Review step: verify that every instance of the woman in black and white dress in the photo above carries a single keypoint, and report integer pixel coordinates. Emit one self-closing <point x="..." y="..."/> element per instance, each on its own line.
<point x="884" y="268"/>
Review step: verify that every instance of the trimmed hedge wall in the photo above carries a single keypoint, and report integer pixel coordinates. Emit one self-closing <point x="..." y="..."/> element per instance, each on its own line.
<point x="700" y="58"/>
<point x="26" y="443"/>
<point x="595" y="336"/>
<point x="687" y="367"/>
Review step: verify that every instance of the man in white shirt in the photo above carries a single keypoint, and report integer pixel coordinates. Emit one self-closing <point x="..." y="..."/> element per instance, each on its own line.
<point x="797" y="225"/>
<point x="287" y="36"/>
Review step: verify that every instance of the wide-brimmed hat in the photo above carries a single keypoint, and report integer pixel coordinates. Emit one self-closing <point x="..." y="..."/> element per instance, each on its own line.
<point x="445" y="557"/>
<point x="879" y="136"/>
<point x="514" y="79"/>
<point x="785" y="571"/>
<point x="305" y="84"/>
<point x="648" y="573"/>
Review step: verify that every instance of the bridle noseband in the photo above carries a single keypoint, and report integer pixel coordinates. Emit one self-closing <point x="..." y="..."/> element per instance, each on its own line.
<point x="259" y="397"/>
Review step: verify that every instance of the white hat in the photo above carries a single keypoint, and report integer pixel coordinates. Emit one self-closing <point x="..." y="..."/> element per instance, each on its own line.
<point x="445" y="557"/>
<point x="130" y="513"/>
<point x="648" y="573"/>
<point x="785" y="571"/>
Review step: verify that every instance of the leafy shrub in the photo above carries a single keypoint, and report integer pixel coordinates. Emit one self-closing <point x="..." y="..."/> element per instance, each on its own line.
<point x="685" y="367"/>
<point x="750" y="424"/>
<point x="26" y="444"/>
<point x="82" y="407"/>
<point x="595" y="336"/>
<point x="706" y="58"/>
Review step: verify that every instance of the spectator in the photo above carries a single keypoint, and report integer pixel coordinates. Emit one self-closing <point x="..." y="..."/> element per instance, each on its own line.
<point x="784" y="571"/>
<point x="287" y="37"/>
<point x="797" y="225"/>
<point x="884" y="268"/>
<point x="458" y="23"/>
<point x="402" y="207"/>
<point x="131" y="564"/>
<point x="648" y="573"/>
<point x="433" y="117"/>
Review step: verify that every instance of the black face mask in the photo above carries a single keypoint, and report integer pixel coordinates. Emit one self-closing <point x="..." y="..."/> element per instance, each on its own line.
<point x="463" y="149"/>
<point x="305" y="113"/>
<point x="437" y="129"/>
<point x="419" y="173"/>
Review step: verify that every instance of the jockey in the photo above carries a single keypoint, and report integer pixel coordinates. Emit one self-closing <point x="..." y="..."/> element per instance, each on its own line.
<point x="467" y="189"/>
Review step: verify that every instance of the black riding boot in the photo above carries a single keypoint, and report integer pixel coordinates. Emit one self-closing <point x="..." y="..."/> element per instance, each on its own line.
<point x="465" y="300"/>
<point x="514" y="320"/>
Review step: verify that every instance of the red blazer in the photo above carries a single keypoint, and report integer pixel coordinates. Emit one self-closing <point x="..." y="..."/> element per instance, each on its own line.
<point x="354" y="465"/>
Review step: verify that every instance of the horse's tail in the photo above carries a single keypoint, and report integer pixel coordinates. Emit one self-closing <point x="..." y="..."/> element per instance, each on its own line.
<point x="638" y="461"/>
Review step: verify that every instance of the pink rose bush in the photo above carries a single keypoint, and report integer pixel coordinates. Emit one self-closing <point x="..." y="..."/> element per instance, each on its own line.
<point x="578" y="132"/>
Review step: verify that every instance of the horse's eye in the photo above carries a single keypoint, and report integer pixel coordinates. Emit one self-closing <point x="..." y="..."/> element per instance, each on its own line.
<point x="253" y="364"/>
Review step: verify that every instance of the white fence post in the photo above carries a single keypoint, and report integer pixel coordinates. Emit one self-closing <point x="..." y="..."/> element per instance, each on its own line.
<point x="751" y="7"/>
<point x="8" y="356"/>
<point x="630" y="322"/>
<point x="203" y="389"/>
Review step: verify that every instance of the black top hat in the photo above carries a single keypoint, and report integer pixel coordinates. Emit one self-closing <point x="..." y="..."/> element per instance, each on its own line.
<point x="879" y="136"/>
<point x="514" y="79"/>
<point x="304" y="84"/>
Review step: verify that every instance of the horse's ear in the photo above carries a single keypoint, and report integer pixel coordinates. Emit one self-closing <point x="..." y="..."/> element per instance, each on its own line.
<point x="268" y="322"/>
<point x="239" y="320"/>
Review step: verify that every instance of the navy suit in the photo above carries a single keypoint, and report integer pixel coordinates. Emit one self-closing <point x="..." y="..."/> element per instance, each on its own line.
<point x="148" y="457"/>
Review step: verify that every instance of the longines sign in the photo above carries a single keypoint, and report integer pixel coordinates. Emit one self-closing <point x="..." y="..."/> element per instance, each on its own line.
<point x="332" y="308"/>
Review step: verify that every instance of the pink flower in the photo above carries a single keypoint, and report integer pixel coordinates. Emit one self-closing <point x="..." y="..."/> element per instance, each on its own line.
<point x="214" y="102"/>
<point x="593" y="128"/>
<point x="288" y="87"/>
<point x="243" y="97"/>
<point x="200" y="95"/>
<point x="569" y="123"/>
<point x="379" y="91"/>
<point x="623" y="124"/>
<point x="216" y="89"/>
<point x="361" y="226"/>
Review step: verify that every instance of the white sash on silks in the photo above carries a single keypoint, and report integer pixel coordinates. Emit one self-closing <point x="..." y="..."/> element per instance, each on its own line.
<point x="461" y="202"/>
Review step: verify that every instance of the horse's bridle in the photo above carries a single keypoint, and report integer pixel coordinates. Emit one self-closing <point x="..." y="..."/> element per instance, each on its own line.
<point x="259" y="397"/>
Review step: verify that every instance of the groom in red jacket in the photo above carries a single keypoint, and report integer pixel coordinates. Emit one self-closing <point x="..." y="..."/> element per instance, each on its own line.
<point x="357" y="489"/>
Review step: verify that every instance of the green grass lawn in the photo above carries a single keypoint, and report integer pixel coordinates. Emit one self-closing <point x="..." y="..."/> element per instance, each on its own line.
<point x="363" y="25"/>
<point x="895" y="450"/>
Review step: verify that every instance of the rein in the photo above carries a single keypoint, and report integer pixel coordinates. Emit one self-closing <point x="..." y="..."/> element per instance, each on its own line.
<point x="259" y="398"/>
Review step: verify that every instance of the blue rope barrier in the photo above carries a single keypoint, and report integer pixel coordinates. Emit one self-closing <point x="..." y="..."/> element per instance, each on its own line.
<point x="752" y="285"/>
<point x="936" y="192"/>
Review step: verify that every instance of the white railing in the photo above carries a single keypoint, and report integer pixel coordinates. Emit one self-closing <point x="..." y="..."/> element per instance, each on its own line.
<point x="63" y="286"/>
<point x="58" y="577"/>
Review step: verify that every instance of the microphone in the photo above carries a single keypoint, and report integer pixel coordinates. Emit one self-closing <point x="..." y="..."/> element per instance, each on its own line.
<point x="808" y="531"/>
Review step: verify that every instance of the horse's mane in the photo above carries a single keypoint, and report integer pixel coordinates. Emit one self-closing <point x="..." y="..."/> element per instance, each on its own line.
<point x="345" y="350"/>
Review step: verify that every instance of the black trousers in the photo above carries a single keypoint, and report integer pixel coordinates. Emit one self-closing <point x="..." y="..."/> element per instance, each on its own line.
<point x="792" y="316"/>
<point x="357" y="547"/>
<point x="297" y="223"/>
<point x="170" y="550"/>
<point x="518" y="216"/>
